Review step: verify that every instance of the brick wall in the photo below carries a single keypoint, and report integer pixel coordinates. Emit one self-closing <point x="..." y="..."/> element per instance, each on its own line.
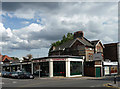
<point x="110" y="52"/>
<point x="89" y="71"/>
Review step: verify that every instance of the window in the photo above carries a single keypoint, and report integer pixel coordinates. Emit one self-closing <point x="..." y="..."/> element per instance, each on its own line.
<point x="75" y="68"/>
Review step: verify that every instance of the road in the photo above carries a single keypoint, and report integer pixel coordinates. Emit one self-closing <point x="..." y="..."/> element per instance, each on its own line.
<point x="51" y="82"/>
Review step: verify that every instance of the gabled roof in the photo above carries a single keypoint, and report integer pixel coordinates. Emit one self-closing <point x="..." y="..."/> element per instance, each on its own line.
<point x="86" y="42"/>
<point x="64" y="45"/>
<point x="95" y="42"/>
<point x="68" y="44"/>
<point x="4" y="57"/>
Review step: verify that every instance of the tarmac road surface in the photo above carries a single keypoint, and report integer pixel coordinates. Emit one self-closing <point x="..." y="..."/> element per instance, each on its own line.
<point x="53" y="82"/>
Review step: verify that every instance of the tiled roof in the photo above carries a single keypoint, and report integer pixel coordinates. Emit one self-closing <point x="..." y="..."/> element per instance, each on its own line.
<point x="64" y="45"/>
<point x="85" y="42"/>
<point x="69" y="43"/>
<point x="94" y="42"/>
<point x="3" y="57"/>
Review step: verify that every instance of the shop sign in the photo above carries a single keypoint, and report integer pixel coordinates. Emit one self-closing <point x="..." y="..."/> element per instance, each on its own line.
<point x="58" y="59"/>
<point x="44" y="60"/>
<point x="35" y="60"/>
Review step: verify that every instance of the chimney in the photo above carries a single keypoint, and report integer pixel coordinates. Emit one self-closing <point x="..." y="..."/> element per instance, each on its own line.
<point x="78" y="34"/>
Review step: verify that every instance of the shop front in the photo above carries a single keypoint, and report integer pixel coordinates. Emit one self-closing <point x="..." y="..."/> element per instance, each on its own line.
<point x="58" y="66"/>
<point x="110" y="68"/>
<point x="50" y="66"/>
<point x="41" y="69"/>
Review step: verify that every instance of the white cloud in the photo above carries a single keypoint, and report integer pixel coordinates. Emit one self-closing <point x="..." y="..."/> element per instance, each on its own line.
<point x="97" y="20"/>
<point x="18" y="39"/>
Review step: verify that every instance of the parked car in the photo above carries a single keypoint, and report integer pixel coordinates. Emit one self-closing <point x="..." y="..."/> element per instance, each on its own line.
<point x="13" y="75"/>
<point x="21" y="74"/>
<point x="10" y="75"/>
<point x="7" y="74"/>
<point x="3" y="73"/>
<point x="28" y="75"/>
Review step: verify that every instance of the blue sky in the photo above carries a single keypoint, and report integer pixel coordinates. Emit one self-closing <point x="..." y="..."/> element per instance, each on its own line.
<point x="30" y="28"/>
<point x="17" y="23"/>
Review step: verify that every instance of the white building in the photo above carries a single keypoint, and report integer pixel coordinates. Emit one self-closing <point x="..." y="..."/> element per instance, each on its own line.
<point x="58" y="66"/>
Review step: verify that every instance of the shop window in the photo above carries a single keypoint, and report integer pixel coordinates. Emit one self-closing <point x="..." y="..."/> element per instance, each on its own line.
<point x="59" y="68"/>
<point x="44" y="69"/>
<point x="75" y="68"/>
<point x="113" y="69"/>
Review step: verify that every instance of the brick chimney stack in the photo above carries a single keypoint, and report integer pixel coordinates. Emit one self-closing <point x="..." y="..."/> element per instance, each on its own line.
<point x="78" y="34"/>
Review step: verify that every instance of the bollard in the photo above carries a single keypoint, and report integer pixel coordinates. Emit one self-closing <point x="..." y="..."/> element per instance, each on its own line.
<point x="114" y="79"/>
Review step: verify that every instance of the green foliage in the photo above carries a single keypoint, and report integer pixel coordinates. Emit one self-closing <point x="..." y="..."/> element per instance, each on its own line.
<point x="64" y="39"/>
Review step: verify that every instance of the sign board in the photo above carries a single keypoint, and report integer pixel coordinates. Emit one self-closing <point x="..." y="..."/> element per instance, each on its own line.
<point x="110" y="63"/>
<point x="35" y="60"/>
<point x="43" y="60"/>
<point x="58" y="59"/>
<point x="97" y="56"/>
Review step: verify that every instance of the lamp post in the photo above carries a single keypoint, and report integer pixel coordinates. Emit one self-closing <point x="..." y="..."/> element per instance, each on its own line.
<point x="10" y="65"/>
<point x="20" y="64"/>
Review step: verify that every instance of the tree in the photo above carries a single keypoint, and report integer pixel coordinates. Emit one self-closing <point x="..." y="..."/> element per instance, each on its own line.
<point x="64" y="39"/>
<point x="29" y="56"/>
<point x="69" y="36"/>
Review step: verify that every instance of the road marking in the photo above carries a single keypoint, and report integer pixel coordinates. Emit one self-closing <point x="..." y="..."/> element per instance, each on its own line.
<point x="14" y="82"/>
<point x="92" y="86"/>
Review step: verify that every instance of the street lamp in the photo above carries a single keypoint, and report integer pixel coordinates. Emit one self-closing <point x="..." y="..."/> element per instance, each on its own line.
<point x="20" y="64"/>
<point x="10" y="65"/>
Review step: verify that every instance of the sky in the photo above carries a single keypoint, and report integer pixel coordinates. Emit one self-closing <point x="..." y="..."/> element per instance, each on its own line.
<point x="31" y="27"/>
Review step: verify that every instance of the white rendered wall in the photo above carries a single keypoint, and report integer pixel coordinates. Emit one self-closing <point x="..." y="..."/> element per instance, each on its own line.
<point x="50" y="68"/>
<point x="67" y="68"/>
<point x="68" y="65"/>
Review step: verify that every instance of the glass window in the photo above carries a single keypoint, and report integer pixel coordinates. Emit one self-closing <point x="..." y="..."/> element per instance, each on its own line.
<point x="75" y="68"/>
<point x="44" y="69"/>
